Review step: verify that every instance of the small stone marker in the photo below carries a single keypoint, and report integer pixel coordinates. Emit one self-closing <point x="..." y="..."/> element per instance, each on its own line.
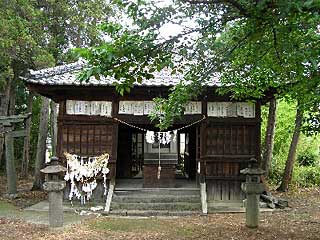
<point x="253" y="188"/>
<point x="54" y="185"/>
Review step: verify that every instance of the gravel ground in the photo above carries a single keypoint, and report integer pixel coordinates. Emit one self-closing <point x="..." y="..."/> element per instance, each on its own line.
<point x="301" y="221"/>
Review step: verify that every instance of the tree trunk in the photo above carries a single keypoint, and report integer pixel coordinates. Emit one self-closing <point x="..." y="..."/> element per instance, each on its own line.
<point x="269" y="139"/>
<point x="4" y="105"/>
<point x="287" y="175"/>
<point x="54" y="127"/>
<point x="12" y="98"/>
<point x="26" y="144"/>
<point x="41" y="145"/>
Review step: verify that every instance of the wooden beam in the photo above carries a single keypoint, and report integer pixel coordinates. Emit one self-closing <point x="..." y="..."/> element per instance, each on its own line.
<point x="7" y="120"/>
<point x="19" y="133"/>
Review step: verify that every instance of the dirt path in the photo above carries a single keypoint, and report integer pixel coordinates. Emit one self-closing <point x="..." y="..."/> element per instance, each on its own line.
<point x="302" y="221"/>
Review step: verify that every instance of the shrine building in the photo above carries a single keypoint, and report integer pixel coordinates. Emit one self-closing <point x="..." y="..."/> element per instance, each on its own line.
<point x="211" y="143"/>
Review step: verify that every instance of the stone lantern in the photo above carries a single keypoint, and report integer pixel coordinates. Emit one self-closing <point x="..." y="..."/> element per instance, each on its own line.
<point x="253" y="188"/>
<point x="54" y="185"/>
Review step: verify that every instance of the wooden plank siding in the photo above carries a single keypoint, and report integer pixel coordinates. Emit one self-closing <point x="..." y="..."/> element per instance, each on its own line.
<point x="86" y="139"/>
<point x="87" y="136"/>
<point x="222" y="146"/>
<point x="226" y="147"/>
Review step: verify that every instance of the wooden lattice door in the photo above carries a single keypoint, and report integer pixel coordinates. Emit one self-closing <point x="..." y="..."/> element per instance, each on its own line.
<point x="86" y="140"/>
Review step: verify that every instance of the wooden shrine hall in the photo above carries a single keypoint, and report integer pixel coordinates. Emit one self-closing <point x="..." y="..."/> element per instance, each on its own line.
<point x="215" y="138"/>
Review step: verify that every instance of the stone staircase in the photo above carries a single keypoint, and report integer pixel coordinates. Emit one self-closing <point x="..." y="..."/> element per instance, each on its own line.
<point x="155" y="201"/>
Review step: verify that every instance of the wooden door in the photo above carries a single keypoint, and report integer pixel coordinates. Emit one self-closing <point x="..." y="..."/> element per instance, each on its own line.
<point x="226" y="150"/>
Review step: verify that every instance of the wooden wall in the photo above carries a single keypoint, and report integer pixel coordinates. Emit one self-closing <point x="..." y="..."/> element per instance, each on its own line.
<point x="86" y="139"/>
<point x="87" y="136"/>
<point x="226" y="147"/>
<point x="223" y="146"/>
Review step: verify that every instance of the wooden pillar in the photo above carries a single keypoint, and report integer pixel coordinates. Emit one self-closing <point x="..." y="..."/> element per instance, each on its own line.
<point x="10" y="166"/>
<point x="258" y="132"/>
<point x="115" y="130"/>
<point x="54" y="127"/>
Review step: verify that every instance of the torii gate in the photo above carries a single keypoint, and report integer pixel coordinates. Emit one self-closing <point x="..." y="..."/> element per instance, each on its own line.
<point x="7" y="129"/>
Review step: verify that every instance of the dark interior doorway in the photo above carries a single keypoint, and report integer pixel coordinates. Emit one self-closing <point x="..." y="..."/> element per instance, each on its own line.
<point x="137" y="150"/>
<point x="187" y="153"/>
<point x="130" y="152"/>
<point x="131" y="149"/>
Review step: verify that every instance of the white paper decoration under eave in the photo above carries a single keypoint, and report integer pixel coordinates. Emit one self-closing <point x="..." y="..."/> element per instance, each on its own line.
<point x="89" y="108"/>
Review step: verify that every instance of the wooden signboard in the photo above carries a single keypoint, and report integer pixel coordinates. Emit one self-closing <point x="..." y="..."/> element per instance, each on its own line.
<point x="95" y="108"/>
<point x="125" y="107"/>
<point x="148" y="107"/>
<point x="193" y="108"/>
<point x="140" y="108"/>
<point x="230" y="109"/>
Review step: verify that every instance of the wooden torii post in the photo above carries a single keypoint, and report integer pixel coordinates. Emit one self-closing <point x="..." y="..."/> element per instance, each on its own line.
<point x="7" y="129"/>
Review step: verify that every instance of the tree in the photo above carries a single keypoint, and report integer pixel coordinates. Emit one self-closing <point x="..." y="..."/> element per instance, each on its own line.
<point x="27" y="139"/>
<point x="253" y="45"/>
<point x="41" y="145"/>
<point x="65" y="23"/>
<point x="269" y="138"/>
<point x="54" y="126"/>
<point x="37" y="34"/>
<point x="287" y="176"/>
<point x="19" y="51"/>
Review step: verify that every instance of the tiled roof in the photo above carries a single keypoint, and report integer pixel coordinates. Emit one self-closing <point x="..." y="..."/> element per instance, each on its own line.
<point x="67" y="75"/>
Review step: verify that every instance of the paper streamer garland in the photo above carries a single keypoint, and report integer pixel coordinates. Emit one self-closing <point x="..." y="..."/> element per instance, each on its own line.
<point x="82" y="173"/>
<point x="161" y="137"/>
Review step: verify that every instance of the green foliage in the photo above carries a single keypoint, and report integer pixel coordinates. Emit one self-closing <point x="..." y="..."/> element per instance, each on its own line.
<point x="19" y="29"/>
<point x="308" y="147"/>
<point x="308" y="159"/>
<point x="306" y="176"/>
<point x="38" y="34"/>
<point x="71" y="23"/>
<point x="255" y="47"/>
<point x="127" y="56"/>
<point x="35" y="118"/>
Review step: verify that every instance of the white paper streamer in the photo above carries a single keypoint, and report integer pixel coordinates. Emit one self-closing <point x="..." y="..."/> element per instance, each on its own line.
<point x="82" y="175"/>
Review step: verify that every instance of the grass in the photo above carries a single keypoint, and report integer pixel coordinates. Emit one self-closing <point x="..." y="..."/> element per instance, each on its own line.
<point x="7" y="207"/>
<point x="131" y="225"/>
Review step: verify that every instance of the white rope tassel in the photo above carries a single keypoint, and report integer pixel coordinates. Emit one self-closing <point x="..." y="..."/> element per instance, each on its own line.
<point x="159" y="172"/>
<point x="159" y="166"/>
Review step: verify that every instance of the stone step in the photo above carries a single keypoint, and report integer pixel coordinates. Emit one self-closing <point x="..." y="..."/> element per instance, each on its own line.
<point x="157" y="191"/>
<point x="164" y="156"/>
<point x="155" y="198"/>
<point x="176" y="206"/>
<point x="149" y="213"/>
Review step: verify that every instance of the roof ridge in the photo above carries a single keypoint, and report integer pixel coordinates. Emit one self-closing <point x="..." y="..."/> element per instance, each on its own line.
<point x="67" y="75"/>
<point x="57" y="70"/>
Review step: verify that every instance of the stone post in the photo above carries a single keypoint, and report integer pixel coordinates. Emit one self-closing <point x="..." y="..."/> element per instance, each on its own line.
<point x="10" y="166"/>
<point x="54" y="186"/>
<point x="253" y="188"/>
